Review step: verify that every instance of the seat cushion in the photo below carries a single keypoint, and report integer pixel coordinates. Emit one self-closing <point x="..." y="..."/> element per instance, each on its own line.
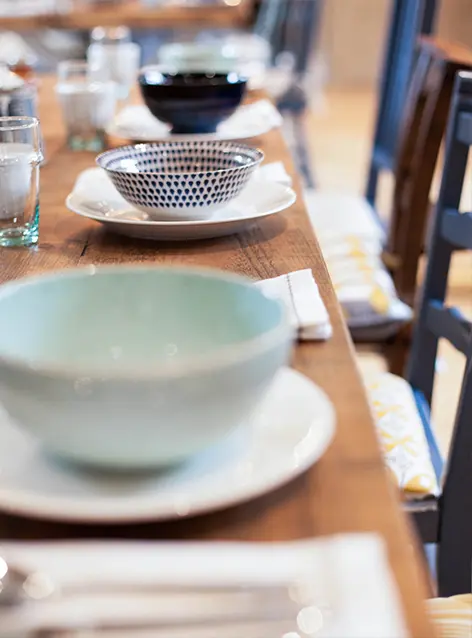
<point x="452" y="617"/>
<point x="401" y="434"/>
<point x="338" y="213"/>
<point x="352" y="240"/>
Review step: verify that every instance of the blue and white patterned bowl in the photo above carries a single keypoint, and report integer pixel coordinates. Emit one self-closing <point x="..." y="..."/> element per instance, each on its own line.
<point x="180" y="180"/>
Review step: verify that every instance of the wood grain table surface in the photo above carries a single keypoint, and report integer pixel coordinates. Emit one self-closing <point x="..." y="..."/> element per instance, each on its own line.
<point x="348" y="489"/>
<point x="133" y="13"/>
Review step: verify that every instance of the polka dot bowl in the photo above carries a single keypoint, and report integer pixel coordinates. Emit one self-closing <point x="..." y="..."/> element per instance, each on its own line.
<point x="180" y="180"/>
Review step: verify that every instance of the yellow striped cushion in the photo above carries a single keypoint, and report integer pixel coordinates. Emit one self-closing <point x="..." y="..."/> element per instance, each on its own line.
<point x="452" y="617"/>
<point x="401" y="435"/>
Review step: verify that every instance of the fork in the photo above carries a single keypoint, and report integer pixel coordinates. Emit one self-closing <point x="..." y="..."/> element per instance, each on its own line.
<point x="230" y="628"/>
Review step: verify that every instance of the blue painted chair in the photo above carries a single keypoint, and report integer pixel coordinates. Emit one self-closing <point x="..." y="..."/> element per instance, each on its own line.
<point x="293" y="28"/>
<point x="408" y="20"/>
<point x="448" y="520"/>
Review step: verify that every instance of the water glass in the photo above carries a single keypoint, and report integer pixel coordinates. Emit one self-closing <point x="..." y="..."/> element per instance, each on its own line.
<point x="115" y="57"/>
<point x="20" y="158"/>
<point x="88" y="101"/>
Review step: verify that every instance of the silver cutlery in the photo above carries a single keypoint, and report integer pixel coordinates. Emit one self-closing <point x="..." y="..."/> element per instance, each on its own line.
<point x="236" y="627"/>
<point x="18" y="585"/>
<point x="228" y="611"/>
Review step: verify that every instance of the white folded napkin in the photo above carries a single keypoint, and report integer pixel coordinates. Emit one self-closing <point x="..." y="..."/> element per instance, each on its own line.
<point x="26" y="7"/>
<point x="94" y="186"/>
<point x="351" y="592"/>
<point x="306" y="308"/>
<point x="250" y="119"/>
<point x="274" y="172"/>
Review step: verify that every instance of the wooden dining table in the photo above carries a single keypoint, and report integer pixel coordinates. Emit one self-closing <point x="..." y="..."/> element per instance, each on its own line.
<point x="136" y="14"/>
<point x="348" y="490"/>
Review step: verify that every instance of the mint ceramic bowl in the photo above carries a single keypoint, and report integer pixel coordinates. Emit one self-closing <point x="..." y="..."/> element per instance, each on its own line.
<point x="132" y="368"/>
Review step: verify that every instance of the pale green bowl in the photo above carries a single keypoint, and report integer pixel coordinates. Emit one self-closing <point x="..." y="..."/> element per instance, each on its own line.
<point x="130" y="367"/>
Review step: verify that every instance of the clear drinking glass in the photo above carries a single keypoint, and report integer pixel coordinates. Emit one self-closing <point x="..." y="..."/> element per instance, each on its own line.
<point x="88" y="101"/>
<point x="116" y="57"/>
<point x="20" y="158"/>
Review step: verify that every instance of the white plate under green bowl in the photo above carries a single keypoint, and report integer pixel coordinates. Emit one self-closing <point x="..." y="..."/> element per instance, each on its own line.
<point x="253" y="204"/>
<point x="290" y="431"/>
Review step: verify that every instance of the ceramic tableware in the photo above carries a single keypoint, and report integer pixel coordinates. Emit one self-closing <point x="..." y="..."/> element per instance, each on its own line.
<point x="180" y="180"/>
<point x="136" y="367"/>
<point x="290" y="430"/>
<point x="135" y="122"/>
<point x="95" y="197"/>
<point x="191" y="102"/>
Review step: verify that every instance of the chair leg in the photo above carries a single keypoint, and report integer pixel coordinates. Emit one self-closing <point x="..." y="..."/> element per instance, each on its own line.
<point x="397" y="350"/>
<point x="302" y="152"/>
<point x="371" y="190"/>
<point x="455" y="531"/>
<point x="430" y="560"/>
<point x="454" y="560"/>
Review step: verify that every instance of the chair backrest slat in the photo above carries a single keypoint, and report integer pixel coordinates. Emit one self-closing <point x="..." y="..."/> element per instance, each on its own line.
<point x="464" y="128"/>
<point x="303" y="21"/>
<point x="457" y="228"/>
<point x="269" y="18"/>
<point x="408" y="19"/>
<point x="450" y="324"/>
<point x="424" y="412"/>
<point x="290" y="25"/>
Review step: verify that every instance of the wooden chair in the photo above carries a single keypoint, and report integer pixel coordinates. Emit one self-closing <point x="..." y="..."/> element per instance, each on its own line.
<point x="451" y="617"/>
<point x="422" y="132"/>
<point x="424" y="124"/>
<point x="411" y="120"/>
<point x="447" y="520"/>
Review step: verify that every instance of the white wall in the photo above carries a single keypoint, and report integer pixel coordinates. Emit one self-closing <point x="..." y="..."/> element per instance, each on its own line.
<point x="353" y="34"/>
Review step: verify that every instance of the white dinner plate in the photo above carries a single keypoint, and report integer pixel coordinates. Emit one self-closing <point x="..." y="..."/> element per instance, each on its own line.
<point x="253" y="204"/>
<point x="137" y="123"/>
<point x="289" y="432"/>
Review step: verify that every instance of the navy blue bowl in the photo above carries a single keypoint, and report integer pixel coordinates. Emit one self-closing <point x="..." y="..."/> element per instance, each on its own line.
<point x="191" y="102"/>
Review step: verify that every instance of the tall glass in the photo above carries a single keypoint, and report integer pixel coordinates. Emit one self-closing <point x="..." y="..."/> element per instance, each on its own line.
<point x="88" y="104"/>
<point x="20" y="158"/>
<point x="118" y="59"/>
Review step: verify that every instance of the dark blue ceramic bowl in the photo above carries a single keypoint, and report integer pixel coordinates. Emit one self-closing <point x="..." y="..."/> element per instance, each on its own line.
<point x="191" y="102"/>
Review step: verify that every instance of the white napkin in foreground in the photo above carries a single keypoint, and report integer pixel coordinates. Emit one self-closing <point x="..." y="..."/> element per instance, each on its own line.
<point x="306" y="308"/>
<point x="249" y="119"/>
<point x="348" y="576"/>
<point x="94" y="186"/>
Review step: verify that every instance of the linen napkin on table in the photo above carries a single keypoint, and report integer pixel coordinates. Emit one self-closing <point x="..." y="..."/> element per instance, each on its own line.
<point x="273" y="172"/>
<point x="307" y="312"/>
<point x="351" y="592"/>
<point x="137" y="120"/>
